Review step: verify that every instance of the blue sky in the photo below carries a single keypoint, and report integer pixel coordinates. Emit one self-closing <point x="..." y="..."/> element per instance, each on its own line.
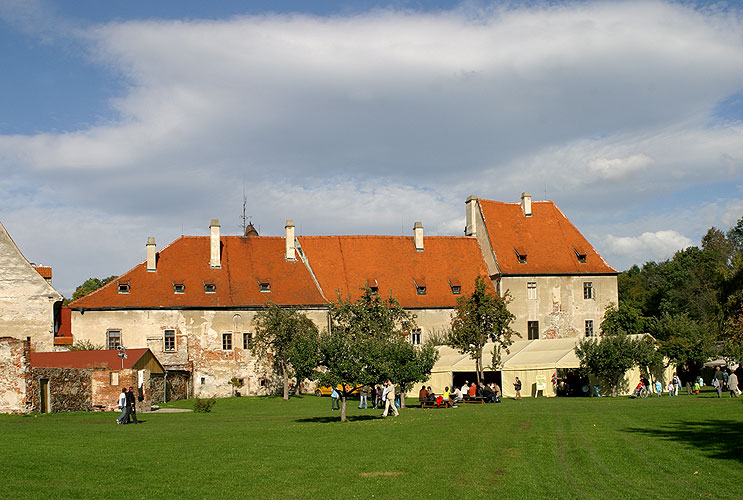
<point x="122" y="120"/>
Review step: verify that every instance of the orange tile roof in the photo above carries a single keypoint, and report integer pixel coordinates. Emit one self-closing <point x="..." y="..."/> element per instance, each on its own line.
<point x="347" y="263"/>
<point x="44" y="271"/>
<point x="550" y="242"/>
<point x="63" y="336"/>
<point x="245" y="262"/>
<point x="86" y="359"/>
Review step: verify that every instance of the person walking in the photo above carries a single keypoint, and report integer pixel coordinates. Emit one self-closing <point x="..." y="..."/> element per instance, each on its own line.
<point x="676" y="384"/>
<point x="717" y="381"/>
<point x="517" y="388"/>
<point x="131" y="403"/>
<point x="124" y="408"/>
<point x="733" y="385"/>
<point x="334" y="400"/>
<point x="390" y="399"/>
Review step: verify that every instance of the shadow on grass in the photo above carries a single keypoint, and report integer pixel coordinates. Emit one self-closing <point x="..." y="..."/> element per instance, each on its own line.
<point x="350" y="418"/>
<point x="716" y="438"/>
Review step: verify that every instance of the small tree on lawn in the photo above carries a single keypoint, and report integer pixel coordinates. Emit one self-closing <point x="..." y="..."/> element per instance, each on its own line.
<point x="355" y="351"/>
<point x="283" y="333"/>
<point x="481" y="317"/>
<point x="608" y="358"/>
<point x="407" y="364"/>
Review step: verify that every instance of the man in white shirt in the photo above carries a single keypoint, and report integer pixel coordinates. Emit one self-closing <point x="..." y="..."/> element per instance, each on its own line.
<point x="389" y="398"/>
<point x="124" y="407"/>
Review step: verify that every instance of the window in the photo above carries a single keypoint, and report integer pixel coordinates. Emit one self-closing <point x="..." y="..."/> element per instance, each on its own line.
<point x="581" y="255"/>
<point x="247" y="340"/>
<point x="531" y="290"/>
<point x="415" y="337"/>
<point x="179" y="287"/>
<point x="113" y="378"/>
<point x="210" y="288"/>
<point x="264" y="285"/>
<point x="455" y="285"/>
<point x="169" y="341"/>
<point x="227" y="341"/>
<point x="124" y="287"/>
<point x="520" y="255"/>
<point x="420" y="286"/>
<point x="203" y="380"/>
<point x="533" y="330"/>
<point x="587" y="290"/>
<point x="589" y="328"/>
<point x="373" y="286"/>
<point x="113" y="339"/>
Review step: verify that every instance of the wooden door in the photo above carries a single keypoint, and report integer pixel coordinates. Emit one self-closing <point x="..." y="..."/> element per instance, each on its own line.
<point x="44" y="394"/>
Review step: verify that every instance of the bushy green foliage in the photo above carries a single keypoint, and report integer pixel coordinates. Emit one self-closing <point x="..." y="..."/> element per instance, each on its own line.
<point x="291" y="338"/>
<point x="203" y="405"/>
<point x="91" y="285"/>
<point x="608" y="357"/>
<point x="85" y="345"/>
<point x="479" y="318"/>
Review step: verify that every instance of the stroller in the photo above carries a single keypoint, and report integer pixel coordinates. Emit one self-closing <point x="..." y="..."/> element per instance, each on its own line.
<point x="640" y="391"/>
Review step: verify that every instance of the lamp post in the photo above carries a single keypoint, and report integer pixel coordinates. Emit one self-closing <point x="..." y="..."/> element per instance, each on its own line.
<point x="122" y="354"/>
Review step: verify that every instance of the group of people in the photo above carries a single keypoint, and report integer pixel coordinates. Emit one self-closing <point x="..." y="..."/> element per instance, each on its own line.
<point x="128" y="406"/>
<point x="383" y="396"/>
<point x="722" y="381"/>
<point x="491" y="393"/>
<point x="725" y="380"/>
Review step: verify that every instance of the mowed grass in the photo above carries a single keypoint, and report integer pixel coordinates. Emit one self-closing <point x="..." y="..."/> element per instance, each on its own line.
<point x="559" y="448"/>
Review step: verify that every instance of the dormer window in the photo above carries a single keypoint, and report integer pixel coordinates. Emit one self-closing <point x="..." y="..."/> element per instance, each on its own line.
<point x="373" y="286"/>
<point x="520" y="255"/>
<point x="264" y="285"/>
<point x="581" y="255"/>
<point x="456" y="286"/>
<point x="179" y="287"/>
<point x="123" y="287"/>
<point x="210" y="288"/>
<point x="420" y="286"/>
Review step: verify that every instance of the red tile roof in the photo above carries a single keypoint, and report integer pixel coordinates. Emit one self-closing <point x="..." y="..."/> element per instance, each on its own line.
<point x="548" y="239"/>
<point x="347" y="263"/>
<point x="86" y="359"/>
<point x="63" y="336"/>
<point x="245" y="262"/>
<point x="44" y="271"/>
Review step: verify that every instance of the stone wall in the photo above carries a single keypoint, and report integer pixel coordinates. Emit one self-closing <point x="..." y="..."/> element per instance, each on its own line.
<point x="178" y="386"/>
<point x="69" y="389"/>
<point x="15" y="374"/>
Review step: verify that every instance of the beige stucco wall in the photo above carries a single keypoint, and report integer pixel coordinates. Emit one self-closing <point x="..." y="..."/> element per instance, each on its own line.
<point x="559" y="307"/>
<point x="432" y="322"/>
<point x="26" y="299"/>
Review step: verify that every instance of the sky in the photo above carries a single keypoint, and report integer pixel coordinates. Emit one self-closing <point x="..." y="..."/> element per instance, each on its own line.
<point x="126" y="119"/>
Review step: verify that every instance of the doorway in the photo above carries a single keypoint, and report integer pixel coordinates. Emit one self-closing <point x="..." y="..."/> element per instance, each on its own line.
<point x="44" y="394"/>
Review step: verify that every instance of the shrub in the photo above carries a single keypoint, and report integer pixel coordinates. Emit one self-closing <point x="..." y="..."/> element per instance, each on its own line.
<point x="203" y="405"/>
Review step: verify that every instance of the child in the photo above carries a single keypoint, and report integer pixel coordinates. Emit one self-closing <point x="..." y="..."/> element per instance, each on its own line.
<point x="696" y="386"/>
<point x="658" y="387"/>
<point x="670" y="389"/>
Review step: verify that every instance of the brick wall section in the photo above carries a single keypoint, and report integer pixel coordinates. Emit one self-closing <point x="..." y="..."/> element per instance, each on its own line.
<point x="15" y="374"/>
<point x="69" y="389"/>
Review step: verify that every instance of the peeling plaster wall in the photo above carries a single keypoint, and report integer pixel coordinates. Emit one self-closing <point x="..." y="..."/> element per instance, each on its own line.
<point x="26" y="299"/>
<point x="15" y="374"/>
<point x="560" y="306"/>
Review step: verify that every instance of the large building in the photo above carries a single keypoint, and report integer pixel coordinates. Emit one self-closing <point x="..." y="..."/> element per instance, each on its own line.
<point x="193" y="303"/>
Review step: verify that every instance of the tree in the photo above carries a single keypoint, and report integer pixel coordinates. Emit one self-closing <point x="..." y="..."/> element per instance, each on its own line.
<point x="283" y="333"/>
<point x="479" y="318"/>
<point x="85" y="345"/>
<point x="626" y="319"/>
<point x="732" y="347"/>
<point x="407" y="364"/>
<point x="683" y="341"/>
<point x="91" y="285"/>
<point x="608" y="357"/>
<point x="363" y="343"/>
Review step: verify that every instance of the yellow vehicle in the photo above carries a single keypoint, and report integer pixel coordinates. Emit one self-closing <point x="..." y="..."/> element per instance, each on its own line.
<point x="327" y="390"/>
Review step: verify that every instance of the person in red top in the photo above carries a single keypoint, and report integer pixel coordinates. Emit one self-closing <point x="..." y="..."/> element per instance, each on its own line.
<point x="473" y="390"/>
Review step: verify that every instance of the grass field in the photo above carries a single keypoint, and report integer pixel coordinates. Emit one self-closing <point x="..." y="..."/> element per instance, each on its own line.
<point x="684" y="447"/>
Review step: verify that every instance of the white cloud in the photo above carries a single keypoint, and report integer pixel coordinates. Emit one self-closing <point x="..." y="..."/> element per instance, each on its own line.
<point x="659" y="245"/>
<point x="366" y="123"/>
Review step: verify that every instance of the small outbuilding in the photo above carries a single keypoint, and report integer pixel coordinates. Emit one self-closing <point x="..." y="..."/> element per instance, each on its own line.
<point x="90" y="380"/>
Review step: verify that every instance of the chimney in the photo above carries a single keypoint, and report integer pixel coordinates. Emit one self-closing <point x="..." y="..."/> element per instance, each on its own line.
<point x="290" y="248"/>
<point x="471" y="216"/>
<point x="151" y="256"/>
<point x="526" y="203"/>
<point x="216" y="257"/>
<point x="418" y="236"/>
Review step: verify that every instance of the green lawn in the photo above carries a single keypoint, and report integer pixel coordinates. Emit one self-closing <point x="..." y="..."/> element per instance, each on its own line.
<point x="685" y="447"/>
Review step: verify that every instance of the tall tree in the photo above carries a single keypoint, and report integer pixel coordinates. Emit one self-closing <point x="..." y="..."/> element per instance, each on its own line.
<point x="283" y="333"/>
<point x="479" y="318"/>
<point x="408" y="364"/>
<point x="364" y="334"/>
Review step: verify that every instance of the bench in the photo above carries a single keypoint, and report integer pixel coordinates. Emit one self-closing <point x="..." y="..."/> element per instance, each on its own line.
<point x="432" y="404"/>
<point x="474" y="399"/>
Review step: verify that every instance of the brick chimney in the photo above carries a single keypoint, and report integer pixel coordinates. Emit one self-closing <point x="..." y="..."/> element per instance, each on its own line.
<point x="216" y="257"/>
<point x="526" y="203"/>
<point x="471" y="216"/>
<point x="418" y="236"/>
<point x="290" y="247"/>
<point x="151" y="255"/>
